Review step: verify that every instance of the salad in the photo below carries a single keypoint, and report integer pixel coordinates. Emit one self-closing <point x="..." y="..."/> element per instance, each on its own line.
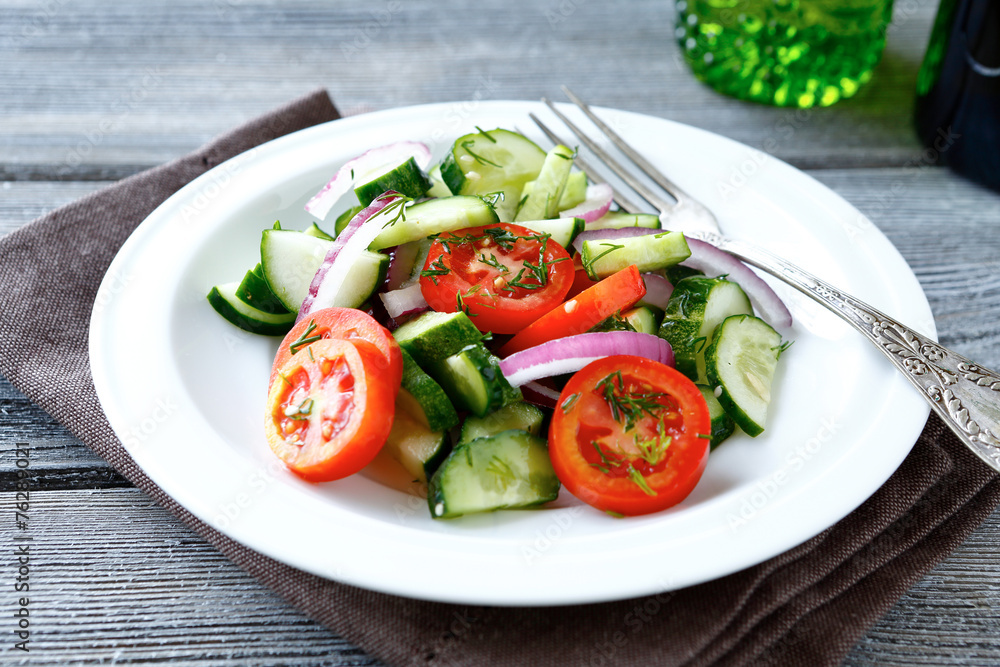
<point x="495" y="330"/>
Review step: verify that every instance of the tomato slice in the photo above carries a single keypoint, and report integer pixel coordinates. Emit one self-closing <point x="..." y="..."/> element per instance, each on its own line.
<point x="629" y="435"/>
<point x="331" y="409"/>
<point x="341" y="323"/>
<point x="616" y="292"/>
<point x="504" y="276"/>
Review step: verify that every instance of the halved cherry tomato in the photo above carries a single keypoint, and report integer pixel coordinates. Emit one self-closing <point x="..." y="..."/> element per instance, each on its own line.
<point x="616" y="292"/>
<point x="341" y="323"/>
<point x="504" y="276"/>
<point x="629" y="435"/>
<point x="330" y="409"/>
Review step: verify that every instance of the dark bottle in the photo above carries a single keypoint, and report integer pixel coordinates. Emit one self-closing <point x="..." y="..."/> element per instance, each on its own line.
<point x="958" y="90"/>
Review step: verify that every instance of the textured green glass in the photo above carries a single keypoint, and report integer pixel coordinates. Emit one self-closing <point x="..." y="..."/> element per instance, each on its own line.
<point x="800" y="53"/>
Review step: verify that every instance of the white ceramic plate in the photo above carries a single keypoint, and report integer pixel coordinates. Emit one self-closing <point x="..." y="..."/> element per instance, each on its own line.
<point x="185" y="390"/>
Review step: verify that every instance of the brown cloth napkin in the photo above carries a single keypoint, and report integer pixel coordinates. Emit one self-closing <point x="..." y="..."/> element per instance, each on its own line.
<point x="806" y="607"/>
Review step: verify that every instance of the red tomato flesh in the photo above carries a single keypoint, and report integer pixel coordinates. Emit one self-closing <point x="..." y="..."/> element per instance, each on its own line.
<point x="330" y="409"/>
<point x="504" y="276"/>
<point x="629" y="435"/>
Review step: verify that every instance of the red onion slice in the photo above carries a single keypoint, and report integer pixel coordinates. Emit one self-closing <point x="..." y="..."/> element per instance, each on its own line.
<point x="711" y="261"/>
<point x="364" y="168"/>
<point x="404" y="256"/>
<point x="570" y="354"/>
<point x="404" y="302"/>
<point x="658" y="290"/>
<point x="324" y="289"/>
<point x="596" y="203"/>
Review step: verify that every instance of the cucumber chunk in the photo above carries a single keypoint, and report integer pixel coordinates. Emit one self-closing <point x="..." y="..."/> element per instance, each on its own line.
<point x="433" y="217"/>
<point x="696" y="307"/>
<point x="254" y="291"/>
<point x="344" y="218"/>
<point x="644" y="319"/>
<point x="432" y="336"/>
<point x="473" y="380"/>
<point x="223" y="298"/>
<point x="619" y="219"/>
<point x="407" y="179"/>
<point x="492" y="161"/>
<point x="436" y="407"/>
<point x="575" y="191"/>
<point x="418" y="448"/>
<point x="289" y="260"/>
<point x="504" y="471"/>
<point x="438" y="188"/>
<point x="560" y="230"/>
<point x="315" y="230"/>
<point x="543" y="200"/>
<point x="521" y="416"/>
<point x="741" y="360"/>
<point x="723" y="425"/>
<point x="651" y="252"/>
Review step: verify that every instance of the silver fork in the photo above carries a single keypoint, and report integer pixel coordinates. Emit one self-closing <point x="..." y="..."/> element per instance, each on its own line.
<point x="965" y="395"/>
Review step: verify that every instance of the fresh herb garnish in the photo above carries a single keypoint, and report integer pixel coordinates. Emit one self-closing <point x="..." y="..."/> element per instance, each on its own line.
<point x="478" y="158"/>
<point x="626" y="407"/>
<point x="611" y="247"/>
<point x="305" y="339"/>
<point x="438" y="269"/>
<point x="396" y="208"/>
<point x="569" y="402"/>
<point x="486" y="134"/>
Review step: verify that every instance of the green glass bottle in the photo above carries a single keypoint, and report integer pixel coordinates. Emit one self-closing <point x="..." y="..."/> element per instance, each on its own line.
<point x="800" y="53"/>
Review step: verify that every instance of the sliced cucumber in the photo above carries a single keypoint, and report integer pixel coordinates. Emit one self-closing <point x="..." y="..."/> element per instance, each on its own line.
<point x="575" y="191"/>
<point x="644" y="319"/>
<point x="619" y="219"/>
<point x="543" y="200"/>
<point x="432" y="336"/>
<point x="289" y="260"/>
<point x="223" y="298"/>
<point x="418" y="448"/>
<point x="433" y="217"/>
<point x="473" y="380"/>
<point x="436" y="407"/>
<point x="696" y="307"/>
<point x="677" y="273"/>
<point x="345" y="218"/>
<point x="438" y="188"/>
<point x="407" y="179"/>
<point x="520" y="415"/>
<point x="741" y="360"/>
<point x="491" y="161"/>
<point x="364" y="278"/>
<point x="561" y="230"/>
<point x="314" y="230"/>
<point x="650" y="252"/>
<point x="254" y="291"/>
<point x="504" y="471"/>
<point x="723" y="425"/>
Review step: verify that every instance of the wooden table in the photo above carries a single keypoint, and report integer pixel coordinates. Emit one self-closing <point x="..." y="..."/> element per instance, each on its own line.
<point x="94" y="91"/>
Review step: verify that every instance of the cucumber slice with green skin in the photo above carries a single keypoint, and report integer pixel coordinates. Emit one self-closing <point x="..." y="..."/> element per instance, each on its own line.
<point x="620" y="219"/>
<point x="223" y="298"/>
<point x="344" y="218"/>
<point x="741" y="360"/>
<point x="434" y="217"/>
<point x="473" y="380"/>
<point x="438" y="188"/>
<point x="418" y="448"/>
<point x="364" y="279"/>
<point x="696" y="307"/>
<point x="436" y="408"/>
<point x="254" y="291"/>
<point x="574" y="193"/>
<point x="677" y="273"/>
<point x="651" y="252"/>
<point x="314" y="230"/>
<point x="560" y="230"/>
<point x="505" y="471"/>
<point x="543" y="200"/>
<point x="498" y="160"/>
<point x="406" y="179"/>
<point x="644" y="319"/>
<point x="723" y="425"/>
<point x="289" y="260"/>
<point x="433" y="336"/>
<point x="520" y="416"/>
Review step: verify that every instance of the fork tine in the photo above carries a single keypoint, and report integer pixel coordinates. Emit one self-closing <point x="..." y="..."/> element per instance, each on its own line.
<point x="675" y="191"/>
<point x="656" y="200"/>
<point x="624" y="202"/>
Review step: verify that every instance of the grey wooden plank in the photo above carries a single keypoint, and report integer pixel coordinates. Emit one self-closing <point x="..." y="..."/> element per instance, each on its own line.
<point x="92" y="90"/>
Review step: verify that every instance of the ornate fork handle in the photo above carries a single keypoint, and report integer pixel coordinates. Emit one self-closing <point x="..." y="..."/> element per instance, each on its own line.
<point x="965" y="395"/>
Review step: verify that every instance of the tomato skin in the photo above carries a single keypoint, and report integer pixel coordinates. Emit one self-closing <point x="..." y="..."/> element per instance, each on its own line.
<point x="346" y="392"/>
<point x="347" y="324"/>
<point x="457" y="268"/>
<point x="575" y="420"/>
<point x="616" y="292"/>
